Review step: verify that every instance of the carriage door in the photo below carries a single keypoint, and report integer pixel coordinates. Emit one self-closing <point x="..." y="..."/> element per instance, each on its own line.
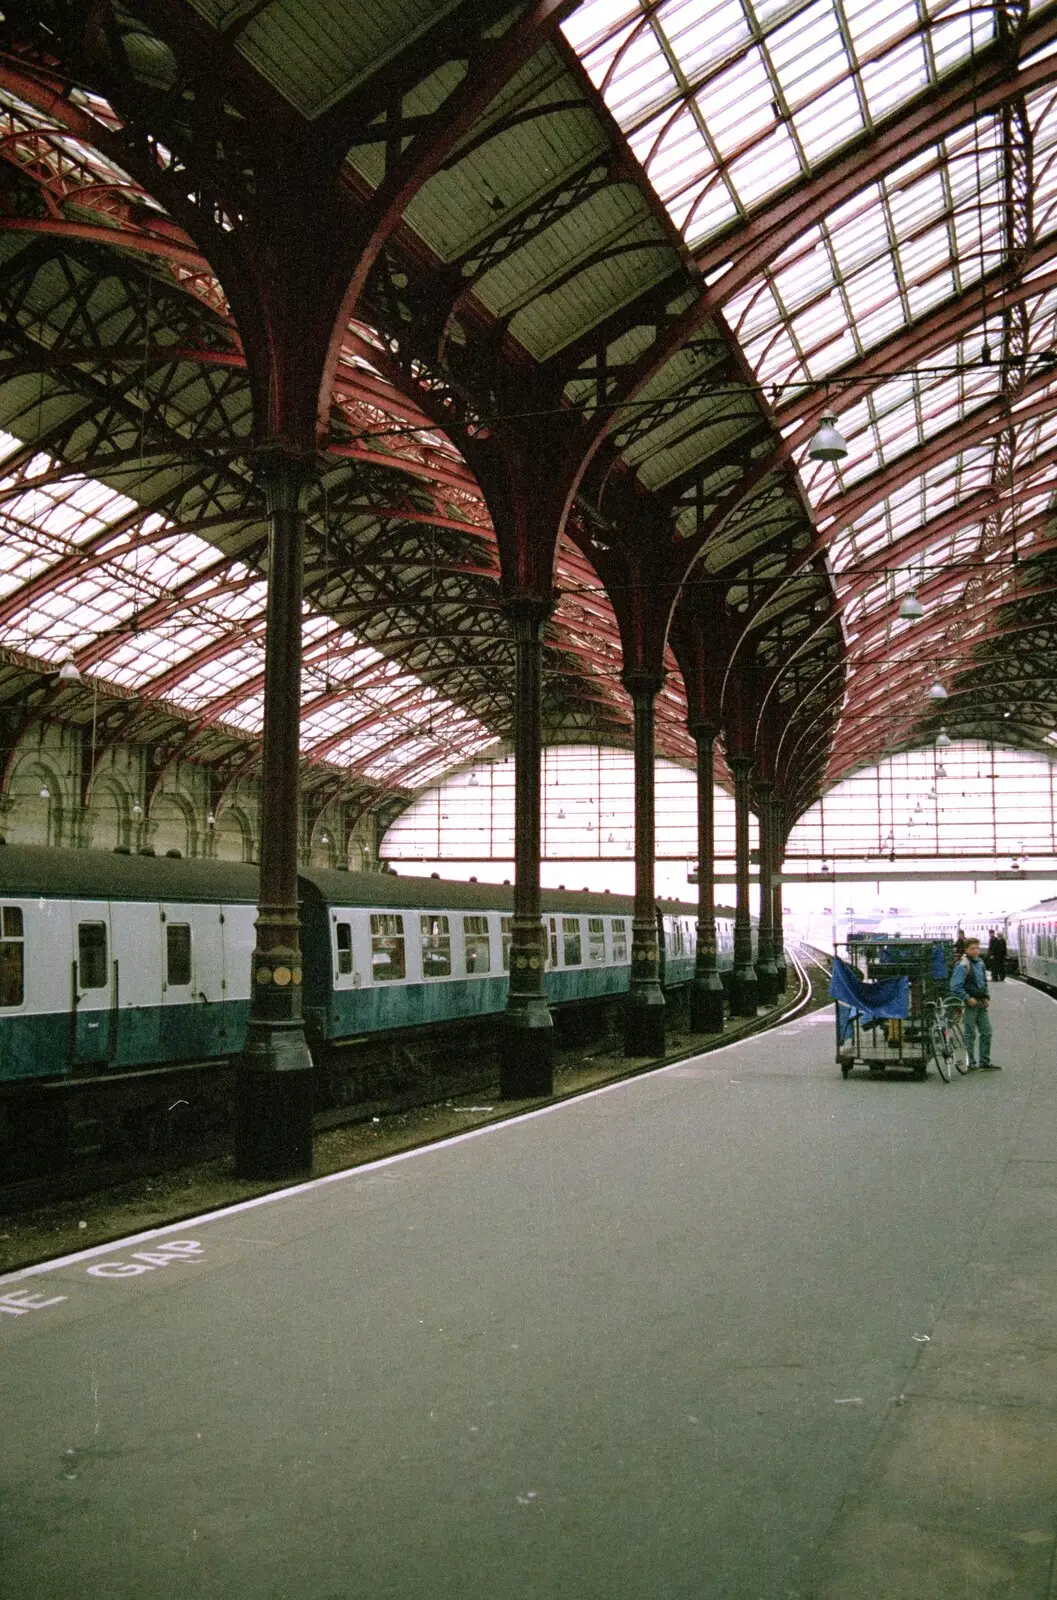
<point x="93" y="983"/>
<point x="178" y="1003"/>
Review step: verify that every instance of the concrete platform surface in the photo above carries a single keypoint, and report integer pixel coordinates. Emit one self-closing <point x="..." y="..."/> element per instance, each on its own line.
<point x="737" y="1329"/>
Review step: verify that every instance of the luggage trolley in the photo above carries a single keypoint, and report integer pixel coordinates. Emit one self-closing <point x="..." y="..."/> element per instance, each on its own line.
<point x="889" y="1043"/>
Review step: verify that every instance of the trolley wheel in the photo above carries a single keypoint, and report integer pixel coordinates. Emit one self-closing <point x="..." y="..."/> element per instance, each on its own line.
<point x="918" y="1075"/>
<point x="845" y="1068"/>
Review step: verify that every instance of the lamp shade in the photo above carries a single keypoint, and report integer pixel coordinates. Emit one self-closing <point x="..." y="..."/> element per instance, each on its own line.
<point x="827" y="445"/>
<point x="69" y="672"/>
<point x="943" y="741"/>
<point x="936" y="691"/>
<point x="911" y="609"/>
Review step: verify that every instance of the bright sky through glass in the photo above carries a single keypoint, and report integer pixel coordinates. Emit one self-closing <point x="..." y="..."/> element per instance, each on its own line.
<point x="168" y="616"/>
<point x="731" y="104"/>
<point x="726" y="102"/>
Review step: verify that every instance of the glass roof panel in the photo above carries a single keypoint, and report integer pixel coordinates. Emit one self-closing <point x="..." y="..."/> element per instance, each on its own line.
<point x="774" y="88"/>
<point x="209" y="625"/>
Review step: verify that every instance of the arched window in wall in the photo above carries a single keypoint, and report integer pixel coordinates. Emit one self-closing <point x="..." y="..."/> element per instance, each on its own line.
<point x="170" y="826"/>
<point x="232" y="836"/>
<point x="109" y="810"/>
<point x="34" y="813"/>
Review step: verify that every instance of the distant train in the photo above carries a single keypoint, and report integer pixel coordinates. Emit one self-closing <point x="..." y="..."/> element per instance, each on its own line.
<point x="1032" y="939"/>
<point x="114" y="962"/>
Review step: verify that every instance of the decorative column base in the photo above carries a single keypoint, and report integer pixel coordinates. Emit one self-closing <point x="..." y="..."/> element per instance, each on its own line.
<point x="526" y="1051"/>
<point x="782" y="970"/>
<point x="644" y="1015"/>
<point x="744" y="995"/>
<point x="273" y="1109"/>
<point x="526" y="1040"/>
<point x="644" y="1021"/>
<point x="766" y="981"/>
<point x="273" y="1092"/>
<point x="706" y="1003"/>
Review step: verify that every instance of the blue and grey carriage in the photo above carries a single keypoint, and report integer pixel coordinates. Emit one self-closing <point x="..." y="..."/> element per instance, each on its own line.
<point x="120" y="962"/>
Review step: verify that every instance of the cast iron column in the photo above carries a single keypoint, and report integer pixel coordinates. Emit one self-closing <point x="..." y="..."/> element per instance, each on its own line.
<point x="743" y="978"/>
<point x="765" y="969"/>
<point x="706" y="991"/>
<point x="526" y="1065"/>
<point x="644" y="1017"/>
<point x="273" y="1136"/>
<point x="778" y="844"/>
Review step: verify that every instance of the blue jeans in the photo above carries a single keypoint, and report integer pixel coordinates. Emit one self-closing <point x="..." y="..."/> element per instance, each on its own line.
<point x="978" y="1020"/>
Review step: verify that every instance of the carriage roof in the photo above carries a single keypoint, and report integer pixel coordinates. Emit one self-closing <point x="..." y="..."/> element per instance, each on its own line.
<point x="27" y="871"/>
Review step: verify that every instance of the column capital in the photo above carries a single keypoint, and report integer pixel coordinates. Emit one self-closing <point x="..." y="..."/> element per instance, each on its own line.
<point x="639" y="681"/>
<point x="740" y="765"/>
<point x="528" y="611"/>
<point x="283" y="474"/>
<point x="703" y="730"/>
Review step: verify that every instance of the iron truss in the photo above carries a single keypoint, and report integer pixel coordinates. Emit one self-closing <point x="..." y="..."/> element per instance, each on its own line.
<point x="594" y="293"/>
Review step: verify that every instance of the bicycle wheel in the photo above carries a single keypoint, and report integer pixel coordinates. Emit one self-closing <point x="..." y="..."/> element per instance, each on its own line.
<point x="940" y="1049"/>
<point x="957" y="1037"/>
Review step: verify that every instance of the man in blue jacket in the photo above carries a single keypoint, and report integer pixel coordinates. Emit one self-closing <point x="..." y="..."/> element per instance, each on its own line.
<point x="969" y="983"/>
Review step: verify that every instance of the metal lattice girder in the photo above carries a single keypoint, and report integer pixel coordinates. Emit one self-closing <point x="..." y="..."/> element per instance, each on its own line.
<point x="659" y="444"/>
<point x="460" y="482"/>
<point x="742" y="253"/>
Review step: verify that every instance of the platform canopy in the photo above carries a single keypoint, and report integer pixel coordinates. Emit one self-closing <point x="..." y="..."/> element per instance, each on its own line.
<point x="663" y="239"/>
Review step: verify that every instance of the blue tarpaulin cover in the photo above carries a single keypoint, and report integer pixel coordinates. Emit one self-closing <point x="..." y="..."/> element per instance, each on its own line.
<point x="889" y="998"/>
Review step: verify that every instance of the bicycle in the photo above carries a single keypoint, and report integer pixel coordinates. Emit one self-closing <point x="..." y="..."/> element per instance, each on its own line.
<point x="946" y="1036"/>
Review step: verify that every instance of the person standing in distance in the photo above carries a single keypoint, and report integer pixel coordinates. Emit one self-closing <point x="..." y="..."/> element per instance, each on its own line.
<point x="969" y="984"/>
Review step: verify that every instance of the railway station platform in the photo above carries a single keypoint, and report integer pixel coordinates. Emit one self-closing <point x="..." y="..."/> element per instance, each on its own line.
<point x="737" y="1329"/>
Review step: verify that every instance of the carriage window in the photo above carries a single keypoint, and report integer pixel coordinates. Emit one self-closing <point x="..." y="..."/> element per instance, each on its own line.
<point x="177" y="953"/>
<point x="436" y="947"/>
<point x="91" y="955"/>
<point x="620" y="939"/>
<point x="344" y="934"/>
<point x="12" y="988"/>
<point x="571" y="940"/>
<point x="475" y="942"/>
<point x="673" y="933"/>
<point x="552" y="935"/>
<point x="506" y="931"/>
<point x="387" y="947"/>
<point x="596" y="941"/>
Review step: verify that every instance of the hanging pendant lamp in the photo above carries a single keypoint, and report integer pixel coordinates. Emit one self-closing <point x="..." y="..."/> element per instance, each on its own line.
<point x="827" y="444"/>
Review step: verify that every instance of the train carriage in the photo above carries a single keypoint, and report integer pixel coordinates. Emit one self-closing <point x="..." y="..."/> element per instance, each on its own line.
<point x="113" y="962"/>
<point x="385" y="952"/>
<point x="1032" y="939"/>
<point x="116" y="962"/>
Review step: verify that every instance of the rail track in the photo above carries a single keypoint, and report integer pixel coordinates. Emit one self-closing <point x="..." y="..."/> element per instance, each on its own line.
<point x="90" y="1135"/>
